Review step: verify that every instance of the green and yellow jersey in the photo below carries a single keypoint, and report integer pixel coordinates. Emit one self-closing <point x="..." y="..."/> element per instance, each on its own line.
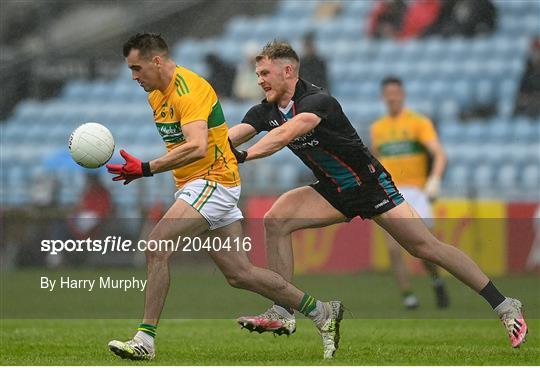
<point x="400" y="144"/>
<point x="189" y="98"/>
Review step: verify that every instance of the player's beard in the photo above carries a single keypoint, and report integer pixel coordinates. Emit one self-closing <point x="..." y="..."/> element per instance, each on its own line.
<point x="276" y="92"/>
<point x="270" y="96"/>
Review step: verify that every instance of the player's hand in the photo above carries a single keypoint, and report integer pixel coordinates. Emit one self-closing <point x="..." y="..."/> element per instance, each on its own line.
<point x="131" y="170"/>
<point x="240" y="155"/>
<point x="433" y="187"/>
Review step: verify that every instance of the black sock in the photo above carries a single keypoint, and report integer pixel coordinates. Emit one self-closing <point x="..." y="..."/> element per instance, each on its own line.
<point x="492" y="295"/>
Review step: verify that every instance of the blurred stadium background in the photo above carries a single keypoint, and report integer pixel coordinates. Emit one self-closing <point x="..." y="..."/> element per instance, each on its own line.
<point x="61" y="66"/>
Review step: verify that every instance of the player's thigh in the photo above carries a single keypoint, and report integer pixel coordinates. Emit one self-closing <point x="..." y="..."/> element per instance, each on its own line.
<point x="302" y="208"/>
<point x="405" y="225"/>
<point x="231" y="259"/>
<point x="180" y="220"/>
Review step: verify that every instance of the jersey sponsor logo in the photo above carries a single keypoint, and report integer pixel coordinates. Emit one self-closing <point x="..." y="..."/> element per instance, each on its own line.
<point x="401" y="148"/>
<point x="304" y="141"/>
<point x="273" y="123"/>
<point x="171" y="132"/>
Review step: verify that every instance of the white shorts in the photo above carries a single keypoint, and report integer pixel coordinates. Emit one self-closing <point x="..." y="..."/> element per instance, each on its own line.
<point x="215" y="202"/>
<point x="419" y="201"/>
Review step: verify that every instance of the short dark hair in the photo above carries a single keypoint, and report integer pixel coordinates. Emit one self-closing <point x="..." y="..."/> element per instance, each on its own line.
<point x="391" y="80"/>
<point x="147" y="44"/>
<point x="278" y="50"/>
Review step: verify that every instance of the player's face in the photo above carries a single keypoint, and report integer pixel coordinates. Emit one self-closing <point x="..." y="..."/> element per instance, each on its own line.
<point x="143" y="70"/>
<point x="272" y="75"/>
<point x="394" y="97"/>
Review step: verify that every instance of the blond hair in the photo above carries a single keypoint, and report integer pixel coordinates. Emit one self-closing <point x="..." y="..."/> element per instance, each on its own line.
<point x="279" y="50"/>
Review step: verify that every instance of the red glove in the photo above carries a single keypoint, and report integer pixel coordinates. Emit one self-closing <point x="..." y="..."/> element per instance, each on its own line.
<point x="131" y="170"/>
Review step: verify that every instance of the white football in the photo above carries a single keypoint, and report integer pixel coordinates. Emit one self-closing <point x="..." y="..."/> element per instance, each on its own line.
<point x="91" y="145"/>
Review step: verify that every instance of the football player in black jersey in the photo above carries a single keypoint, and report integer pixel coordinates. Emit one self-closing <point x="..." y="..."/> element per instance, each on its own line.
<point x="351" y="182"/>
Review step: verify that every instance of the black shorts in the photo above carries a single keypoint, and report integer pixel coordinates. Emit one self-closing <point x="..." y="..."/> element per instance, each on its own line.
<point x="367" y="200"/>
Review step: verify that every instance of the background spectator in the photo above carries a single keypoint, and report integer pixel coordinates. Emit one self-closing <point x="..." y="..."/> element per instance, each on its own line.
<point x="420" y="14"/>
<point x="220" y="75"/>
<point x="94" y="207"/>
<point x="44" y="190"/>
<point x="386" y="18"/>
<point x="528" y="100"/>
<point x="327" y="10"/>
<point x="464" y="17"/>
<point x="245" y="86"/>
<point x="313" y="67"/>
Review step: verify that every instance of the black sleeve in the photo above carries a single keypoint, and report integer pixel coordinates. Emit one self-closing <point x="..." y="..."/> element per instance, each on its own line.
<point x="319" y="104"/>
<point x="255" y="118"/>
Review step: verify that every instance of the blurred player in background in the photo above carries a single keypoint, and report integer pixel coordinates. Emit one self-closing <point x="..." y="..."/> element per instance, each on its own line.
<point x="351" y="182"/>
<point x="403" y="141"/>
<point x="533" y="259"/>
<point x="190" y="120"/>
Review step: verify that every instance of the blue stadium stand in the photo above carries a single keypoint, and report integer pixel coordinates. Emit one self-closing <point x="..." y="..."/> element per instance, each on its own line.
<point x="442" y="77"/>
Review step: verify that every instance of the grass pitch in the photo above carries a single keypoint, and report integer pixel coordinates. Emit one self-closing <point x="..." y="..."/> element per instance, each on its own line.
<point x="376" y="331"/>
<point x="220" y="342"/>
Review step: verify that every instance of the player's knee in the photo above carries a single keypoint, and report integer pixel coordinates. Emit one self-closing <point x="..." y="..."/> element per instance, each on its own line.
<point x="156" y="256"/>
<point x="238" y="280"/>
<point x="156" y="253"/>
<point x="418" y="251"/>
<point x="273" y="223"/>
<point x="425" y="250"/>
<point x="239" y="277"/>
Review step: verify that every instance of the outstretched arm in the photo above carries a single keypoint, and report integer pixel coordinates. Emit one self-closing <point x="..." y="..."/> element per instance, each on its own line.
<point x="241" y="133"/>
<point x="193" y="149"/>
<point x="279" y="137"/>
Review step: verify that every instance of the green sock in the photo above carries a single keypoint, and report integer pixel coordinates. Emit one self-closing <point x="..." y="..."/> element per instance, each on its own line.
<point x="148" y="329"/>
<point x="307" y="305"/>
